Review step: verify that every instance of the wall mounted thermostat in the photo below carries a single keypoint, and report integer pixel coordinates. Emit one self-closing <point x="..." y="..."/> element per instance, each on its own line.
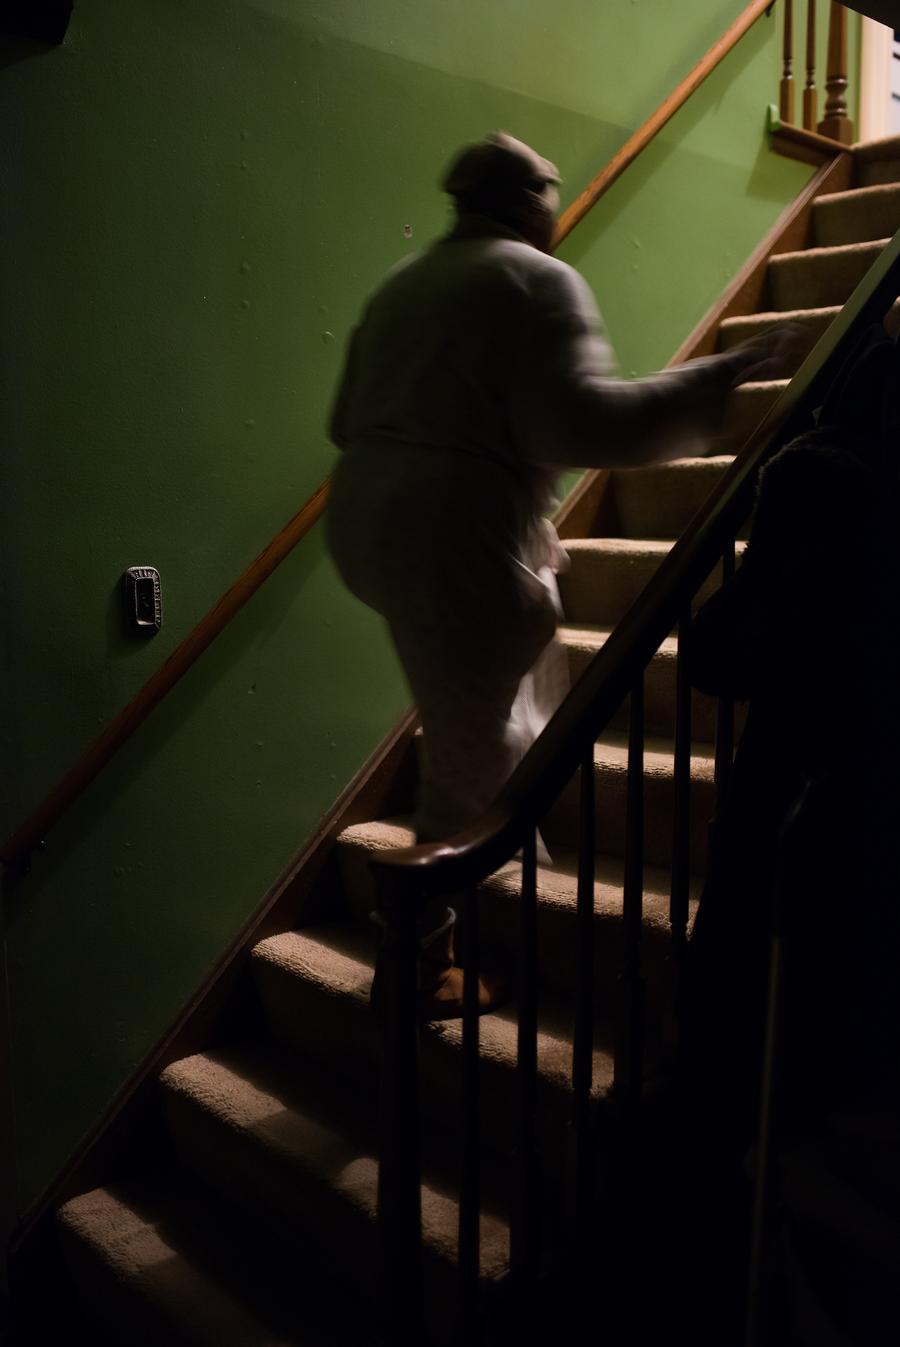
<point x="143" y="600"/>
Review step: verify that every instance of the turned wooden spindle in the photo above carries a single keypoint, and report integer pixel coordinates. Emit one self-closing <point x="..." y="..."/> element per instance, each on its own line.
<point x="809" y="93"/>
<point x="786" y="99"/>
<point x="836" y="123"/>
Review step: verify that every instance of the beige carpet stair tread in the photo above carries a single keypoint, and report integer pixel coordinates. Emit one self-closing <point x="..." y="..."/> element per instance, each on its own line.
<point x="741" y="328"/>
<point x="612" y="752"/>
<point x="734" y="330"/>
<point x="817" y="277"/>
<point x="658" y="501"/>
<point x="155" y="1266"/>
<point x="816" y="257"/>
<point x="557" y="887"/>
<point x="857" y="215"/>
<point x="245" y="1125"/>
<point x="336" y="960"/>
<point x="607" y="575"/>
<point x="560" y="826"/>
<point x="556" y="883"/>
<point x="583" y="643"/>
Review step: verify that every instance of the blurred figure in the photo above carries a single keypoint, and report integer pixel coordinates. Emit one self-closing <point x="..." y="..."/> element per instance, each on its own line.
<point x="478" y="371"/>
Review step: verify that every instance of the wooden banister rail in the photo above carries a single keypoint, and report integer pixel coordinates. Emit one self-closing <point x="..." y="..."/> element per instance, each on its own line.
<point x="651" y="128"/>
<point x="462" y="861"/>
<point x="19" y="846"/>
<point x="123" y="726"/>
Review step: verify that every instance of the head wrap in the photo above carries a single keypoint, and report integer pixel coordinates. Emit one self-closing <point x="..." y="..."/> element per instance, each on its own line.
<point x="497" y="172"/>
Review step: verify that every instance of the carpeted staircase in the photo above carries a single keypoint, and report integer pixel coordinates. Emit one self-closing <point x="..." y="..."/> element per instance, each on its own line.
<point x="257" y="1224"/>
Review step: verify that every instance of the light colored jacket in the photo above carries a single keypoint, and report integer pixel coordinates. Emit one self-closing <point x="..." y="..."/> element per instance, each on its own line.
<point x="486" y="346"/>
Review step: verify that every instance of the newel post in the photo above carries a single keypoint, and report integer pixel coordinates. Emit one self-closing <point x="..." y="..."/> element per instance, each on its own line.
<point x="400" y="1294"/>
<point x="836" y="123"/>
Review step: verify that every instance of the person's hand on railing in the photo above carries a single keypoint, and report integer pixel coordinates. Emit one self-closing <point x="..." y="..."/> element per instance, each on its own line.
<point x="775" y="353"/>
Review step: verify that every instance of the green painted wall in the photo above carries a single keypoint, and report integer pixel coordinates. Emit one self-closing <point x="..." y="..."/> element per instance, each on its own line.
<point x="202" y="192"/>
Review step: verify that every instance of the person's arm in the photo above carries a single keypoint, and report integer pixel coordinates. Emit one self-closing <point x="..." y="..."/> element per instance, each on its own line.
<point x="569" y="408"/>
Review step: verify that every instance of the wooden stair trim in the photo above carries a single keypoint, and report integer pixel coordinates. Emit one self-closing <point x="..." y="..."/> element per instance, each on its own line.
<point x="795" y="142"/>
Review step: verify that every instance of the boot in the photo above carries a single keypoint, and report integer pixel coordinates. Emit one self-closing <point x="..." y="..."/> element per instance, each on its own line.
<point x="441" y="981"/>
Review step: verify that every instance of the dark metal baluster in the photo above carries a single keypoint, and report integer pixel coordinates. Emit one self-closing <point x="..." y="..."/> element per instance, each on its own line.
<point x="524" y="1234"/>
<point x="725" y="717"/>
<point x="583" y="1044"/>
<point x="469" y="1195"/>
<point x="630" y="1045"/>
<point x="681" y="840"/>
<point x="399" y="1169"/>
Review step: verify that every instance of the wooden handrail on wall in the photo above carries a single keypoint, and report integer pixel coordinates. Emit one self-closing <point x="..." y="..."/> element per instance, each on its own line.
<point x="17" y="848"/>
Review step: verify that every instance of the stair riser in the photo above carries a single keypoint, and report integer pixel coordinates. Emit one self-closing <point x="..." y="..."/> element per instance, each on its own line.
<point x="874" y="172"/>
<point x="561" y="824"/>
<point x="812" y="281"/>
<point x="856" y="220"/>
<point x="126" y="1318"/>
